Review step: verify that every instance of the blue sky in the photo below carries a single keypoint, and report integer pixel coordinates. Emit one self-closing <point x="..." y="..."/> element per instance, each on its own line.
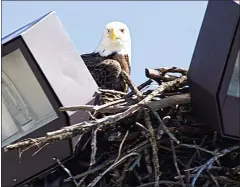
<point x="163" y="33"/>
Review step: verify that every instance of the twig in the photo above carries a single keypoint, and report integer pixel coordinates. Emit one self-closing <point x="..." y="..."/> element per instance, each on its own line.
<point x="170" y="101"/>
<point x="213" y="178"/>
<point x="82" y="180"/>
<point x="137" y="176"/>
<point x="121" y="145"/>
<point x="192" y="158"/>
<point x="148" y="164"/>
<point x="67" y="171"/>
<point x="160" y="182"/>
<point x="225" y="179"/>
<point x="92" y="170"/>
<point x="195" y="154"/>
<point x="156" y="75"/>
<point x="197" y="147"/>
<point x="140" y="125"/>
<point x="156" y="105"/>
<point x="125" y="169"/>
<point x="129" y="82"/>
<point x="209" y="163"/>
<point x="84" y="146"/>
<point x="112" y="91"/>
<point x="154" y="147"/>
<point x="175" y="163"/>
<point x="160" y="132"/>
<point x="135" y="163"/>
<point x="140" y="87"/>
<point x="77" y="129"/>
<point x="139" y="146"/>
<point x="91" y="108"/>
<point x="137" y="149"/>
<point x="95" y="181"/>
<point x="39" y="149"/>
<point x="27" y="148"/>
<point x="173" y="70"/>
<point x="217" y="178"/>
<point x="161" y="88"/>
<point x="94" y="146"/>
<point x="73" y="130"/>
<point x="194" y="169"/>
<point x="163" y="126"/>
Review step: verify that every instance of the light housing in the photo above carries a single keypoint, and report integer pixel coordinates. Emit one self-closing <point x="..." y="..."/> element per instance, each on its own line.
<point x="41" y="72"/>
<point x="214" y="70"/>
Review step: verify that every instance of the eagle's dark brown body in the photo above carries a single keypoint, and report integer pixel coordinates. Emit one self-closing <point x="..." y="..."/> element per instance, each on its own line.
<point x="106" y="71"/>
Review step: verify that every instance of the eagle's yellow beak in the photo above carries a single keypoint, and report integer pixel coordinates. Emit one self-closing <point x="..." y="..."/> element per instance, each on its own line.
<point x="112" y="35"/>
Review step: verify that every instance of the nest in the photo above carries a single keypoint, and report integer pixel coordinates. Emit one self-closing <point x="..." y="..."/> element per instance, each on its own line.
<point x="148" y="137"/>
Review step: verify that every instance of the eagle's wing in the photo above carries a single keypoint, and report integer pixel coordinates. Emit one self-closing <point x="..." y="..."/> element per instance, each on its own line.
<point x="106" y="72"/>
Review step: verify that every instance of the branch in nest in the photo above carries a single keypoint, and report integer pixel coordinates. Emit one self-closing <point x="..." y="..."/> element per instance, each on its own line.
<point x="157" y="76"/>
<point x="67" y="171"/>
<point x="71" y="131"/>
<point x="95" y="181"/>
<point x="92" y="108"/>
<point x="94" y="146"/>
<point x="84" y="127"/>
<point x="161" y="88"/>
<point x="172" y="70"/>
<point x="140" y="87"/>
<point x="90" y="171"/>
<point x="210" y="162"/>
<point x="176" y="164"/>
<point x="163" y="126"/>
<point x="121" y="145"/>
<point x="153" y="142"/>
<point x="112" y="91"/>
<point x="129" y="82"/>
<point x="156" y="105"/>
<point x="170" y="101"/>
<point x="148" y="163"/>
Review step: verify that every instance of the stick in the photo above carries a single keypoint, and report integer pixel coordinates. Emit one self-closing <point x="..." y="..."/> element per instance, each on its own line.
<point x="94" y="146"/>
<point x="108" y="108"/>
<point x="209" y="163"/>
<point x="112" y="91"/>
<point x="91" y="108"/>
<point x="148" y="164"/>
<point x="173" y="70"/>
<point x="129" y="82"/>
<point x="73" y="130"/>
<point x="121" y="145"/>
<point x="140" y="87"/>
<point x="95" y="181"/>
<point x="92" y="170"/>
<point x="154" y="148"/>
<point x="67" y="171"/>
<point x="86" y="126"/>
<point x="197" y="147"/>
<point x="176" y="164"/>
<point x="163" y="126"/>
<point x="162" y="88"/>
<point x="156" y="75"/>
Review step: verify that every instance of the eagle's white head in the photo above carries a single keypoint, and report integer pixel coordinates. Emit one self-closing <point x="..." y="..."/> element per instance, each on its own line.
<point x="115" y="38"/>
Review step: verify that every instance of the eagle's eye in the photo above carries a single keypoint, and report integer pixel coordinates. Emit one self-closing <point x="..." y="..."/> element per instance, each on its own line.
<point x="122" y="30"/>
<point x="108" y="31"/>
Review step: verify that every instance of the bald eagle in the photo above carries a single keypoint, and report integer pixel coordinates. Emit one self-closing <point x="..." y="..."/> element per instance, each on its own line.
<point x="112" y="55"/>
